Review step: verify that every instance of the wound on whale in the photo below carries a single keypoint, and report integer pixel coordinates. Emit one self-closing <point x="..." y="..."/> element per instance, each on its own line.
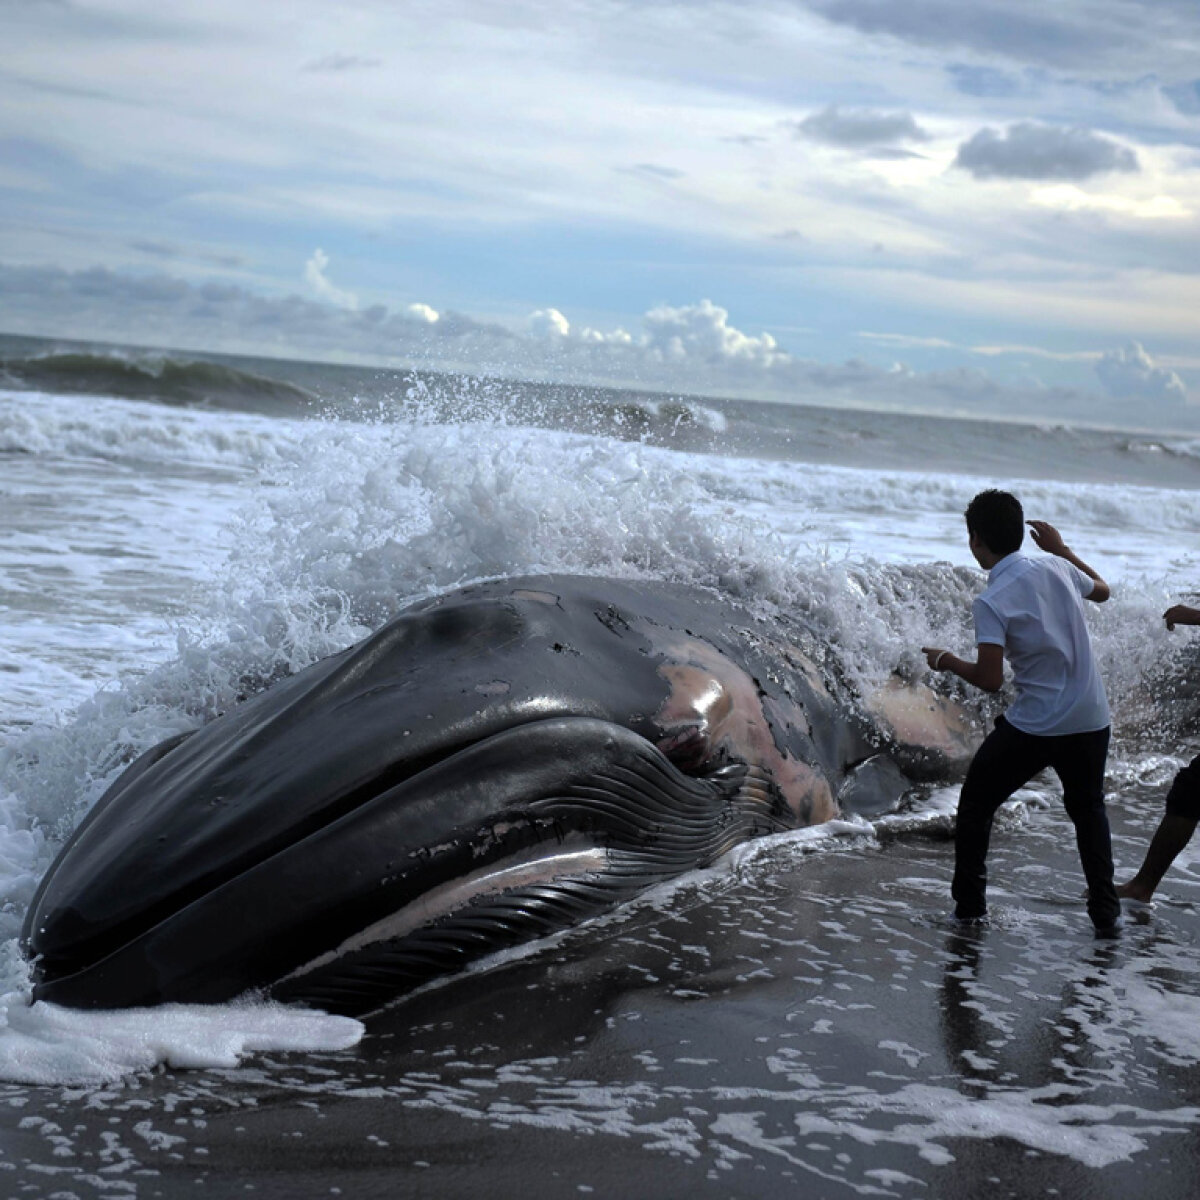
<point x="492" y="765"/>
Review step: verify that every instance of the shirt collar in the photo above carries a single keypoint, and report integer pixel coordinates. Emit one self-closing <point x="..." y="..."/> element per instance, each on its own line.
<point x="1005" y="564"/>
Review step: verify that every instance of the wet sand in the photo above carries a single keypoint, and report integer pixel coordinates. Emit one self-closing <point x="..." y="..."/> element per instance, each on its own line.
<point x="806" y="1020"/>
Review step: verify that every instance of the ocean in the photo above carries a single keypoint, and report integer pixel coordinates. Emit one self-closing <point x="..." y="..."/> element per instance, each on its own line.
<point x="178" y="527"/>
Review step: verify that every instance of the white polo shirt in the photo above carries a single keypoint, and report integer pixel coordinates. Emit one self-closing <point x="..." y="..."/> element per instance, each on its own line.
<point x="1033" y="608"/>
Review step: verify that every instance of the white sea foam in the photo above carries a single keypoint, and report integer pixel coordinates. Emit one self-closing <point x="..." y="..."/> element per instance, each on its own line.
<point x="1093" y="1135"/>
<point x="46" y="1044"/>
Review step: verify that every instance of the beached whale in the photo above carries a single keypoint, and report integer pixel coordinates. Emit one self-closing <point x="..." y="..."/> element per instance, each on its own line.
<point x="491" y="765"/>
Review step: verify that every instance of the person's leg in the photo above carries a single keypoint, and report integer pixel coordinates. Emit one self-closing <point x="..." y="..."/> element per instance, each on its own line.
<point x="1007" y="760"/>
<point x="1079" y="761"/>
<point x="1173" y="833"/>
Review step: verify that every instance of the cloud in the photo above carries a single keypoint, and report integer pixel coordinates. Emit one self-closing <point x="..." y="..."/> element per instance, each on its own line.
<point x="994" y="351"/>
<point x="985" y="82"/>
<point x="169" y="312"/>
<point x="1130" y="374"/>
<point x="549" y="323"/>
<point x="314" y="275"/>
<point x="1029" y="151"/>
<point x="1015" y="28"/>
<point x="688" y="345"/>
<point x="157" y="249"/>
<point x="1185" y="97"/>
<point x="702" y="332"/>
<point x="653" y="171"/>
<point x="1066" y="198"/>
<point x="341" y="62"/>
<point x="904" y="339"/>
<point x="857" y="128"/>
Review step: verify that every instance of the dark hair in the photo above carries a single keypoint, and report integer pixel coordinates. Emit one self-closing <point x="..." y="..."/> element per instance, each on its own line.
<point x="998" y="520"/>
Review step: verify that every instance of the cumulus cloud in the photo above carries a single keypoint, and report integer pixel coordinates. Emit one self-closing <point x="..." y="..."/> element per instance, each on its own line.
<point x="1029" y="151"/>
<point x="702" y="331"/>
<point x="315" y="277"/>
<point x="1129" y="373"/>
<point x="423" y="313"/>
<point x="549" y="323"/>
<point x="859" y="128"/>
<point x="613" y="337"/>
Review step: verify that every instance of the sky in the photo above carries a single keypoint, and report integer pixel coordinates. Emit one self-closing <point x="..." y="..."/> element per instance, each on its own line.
<point x="985" y="208"/>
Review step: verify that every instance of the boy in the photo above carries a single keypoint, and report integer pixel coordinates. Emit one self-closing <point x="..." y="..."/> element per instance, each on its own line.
<point x="1031" y="609"/>
<point x="1183" y="804"/>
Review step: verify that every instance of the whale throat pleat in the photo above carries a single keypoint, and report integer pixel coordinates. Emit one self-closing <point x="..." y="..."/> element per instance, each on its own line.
<point x="633" y="822"/>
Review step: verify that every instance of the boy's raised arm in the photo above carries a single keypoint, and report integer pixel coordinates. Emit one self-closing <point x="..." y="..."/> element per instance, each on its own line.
<point x="1049" y="539"/>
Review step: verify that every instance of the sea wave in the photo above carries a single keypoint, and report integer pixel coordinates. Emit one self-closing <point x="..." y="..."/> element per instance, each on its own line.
<point x="626" y="415"/>
<point x="54" y="427"/>
<point x="165" y="378"/>
<point x="291" y="389"/>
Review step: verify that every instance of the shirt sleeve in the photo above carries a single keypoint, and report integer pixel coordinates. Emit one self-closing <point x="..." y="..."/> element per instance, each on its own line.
<point x="1083" y="584"/>
<point x="988" y="626"/>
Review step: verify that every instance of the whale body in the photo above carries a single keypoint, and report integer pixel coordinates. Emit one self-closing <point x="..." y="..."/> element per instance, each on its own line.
<point x="490" y="766"/>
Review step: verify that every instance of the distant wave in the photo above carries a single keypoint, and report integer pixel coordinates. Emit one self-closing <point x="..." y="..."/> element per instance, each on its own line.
<point x="1150" y="447"/>
<point x="166" y="379"/>
<point x="1010" y="453"/>
<point x="679" y="421"/>
<point x="665" y="416"/>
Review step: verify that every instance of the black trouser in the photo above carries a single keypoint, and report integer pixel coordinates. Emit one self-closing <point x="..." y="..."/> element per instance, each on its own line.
<point x="1009" y="759"/>
<point x="1183" y="800"/>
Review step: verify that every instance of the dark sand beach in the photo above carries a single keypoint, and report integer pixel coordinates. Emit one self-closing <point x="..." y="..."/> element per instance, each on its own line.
<point x="805" y="1019"/>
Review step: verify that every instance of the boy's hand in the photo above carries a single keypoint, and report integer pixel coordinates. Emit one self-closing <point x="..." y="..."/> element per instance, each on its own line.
<point x="1048" y="538"/>
<point x="934" y="656"/>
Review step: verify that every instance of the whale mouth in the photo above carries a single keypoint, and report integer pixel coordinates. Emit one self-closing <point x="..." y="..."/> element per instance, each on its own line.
<point x="518" y="834"/>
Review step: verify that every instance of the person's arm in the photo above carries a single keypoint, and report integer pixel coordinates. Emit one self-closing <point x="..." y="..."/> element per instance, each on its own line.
<point x="1049" y="539"/>
<point x="1181" y="614"/>
<point x="986" y="672"/>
